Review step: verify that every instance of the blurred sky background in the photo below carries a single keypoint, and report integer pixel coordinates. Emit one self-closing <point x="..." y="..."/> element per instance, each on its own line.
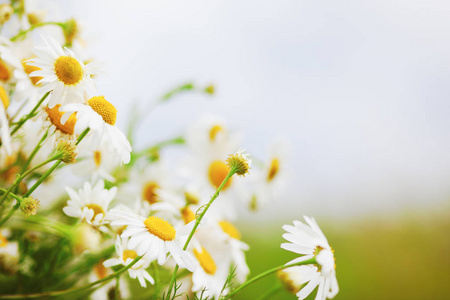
<point x="360" y="88"/>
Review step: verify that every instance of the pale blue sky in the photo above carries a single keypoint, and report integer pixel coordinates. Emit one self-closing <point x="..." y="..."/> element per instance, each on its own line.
<point x="360" y="87"/>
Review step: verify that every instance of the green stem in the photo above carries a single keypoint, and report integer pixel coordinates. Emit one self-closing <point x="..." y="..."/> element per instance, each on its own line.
<point x="24" y="32"/>
<point x="18" y="198"/>
<point x="197" y="222"/>
<point x="116" y="291"/>
<point x="275" y="289"/>
<point x="11" y="212"/>
<point x="31" y="114"/>
<point x="33" y="154"/>
<point x="74" y="290"/>
<point x="266" y="273"/>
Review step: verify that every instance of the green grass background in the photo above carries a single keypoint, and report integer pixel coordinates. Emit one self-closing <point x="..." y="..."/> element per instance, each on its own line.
<point x="391" y="257"/>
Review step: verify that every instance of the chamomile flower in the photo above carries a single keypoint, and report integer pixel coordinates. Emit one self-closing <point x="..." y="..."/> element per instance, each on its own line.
<point x="271" y="182"/>
<point x="153" y="236"/>
<point x="62" y="72"/>
<point x="309" y="241"/>
<point x="5" y="136"/>
<point x="100" y="116"/>
<point x="232" y="238"/>
<point x="210" y="133"/>
<point x="9" y="253"/>
<point x="126" y="256"/>
<point x="213" y="266"/>
<point x="102" y="293"/>
<point x="97" y="164"/>
<point x="91" y="203"/>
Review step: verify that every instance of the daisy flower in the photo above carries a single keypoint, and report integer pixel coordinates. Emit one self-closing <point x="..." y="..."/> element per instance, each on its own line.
<point x="102" y="293"/>
<point x="126" y="256"/>
<point x="211" y="133"/>
<point x="213" y="266"/>
<point x="4" y="124"/>
<point x="153" y="236"/>
<point x="271" y="182"/>
<point x="9" y="253"/>
<point x="100" y="116"/>
<point x="309" y="241"/>
<point x="61" y="72"/>
<point x="91" y="203"/>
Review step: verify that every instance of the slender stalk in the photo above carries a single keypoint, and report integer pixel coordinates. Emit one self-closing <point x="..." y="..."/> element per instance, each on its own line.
<point x="275" y="289"/>
<point x="11" y="212"/>
<point x="18" y="198"/>
<point x="24" y="32"/>
<point x="116" y="290"/>
<point x="266" y="273"/>
<point x="197" y="223"/>
<point x="30" y="114"/>
<point x="33" y="154"/>
<point x="73" y="290"/>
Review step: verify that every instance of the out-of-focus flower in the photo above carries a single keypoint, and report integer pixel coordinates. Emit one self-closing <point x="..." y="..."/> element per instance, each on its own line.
<point x="126" y="256"/>
<point x="106" y="290"/>
<point x="62" y="72"/>
<point x="309" y="241"/>
<point x="4" y="124"/>
<point x="153" y="236"/>
<point x="86" y="238"/>
<point x="100" y="116"/>
<point x="91" y="203"/>
<point x="9" y="254"/>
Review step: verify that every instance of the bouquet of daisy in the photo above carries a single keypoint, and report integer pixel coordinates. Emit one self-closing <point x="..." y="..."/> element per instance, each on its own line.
<point x="82" y="215"/>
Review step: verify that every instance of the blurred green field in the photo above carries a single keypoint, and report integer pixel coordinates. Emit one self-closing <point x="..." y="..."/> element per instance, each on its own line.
<point x="404" y="257"/>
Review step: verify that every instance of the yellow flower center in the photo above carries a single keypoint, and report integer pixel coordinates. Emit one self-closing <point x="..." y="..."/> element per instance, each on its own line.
<point x="55" y="117"/>
<point x="68" y="70"/>
<point x="273" y="170"/>
<point x="97" y="210"/>
<point x="217" y="172"/>
<point x="187" y="214"/>
<point x="129" y="254"/>
<point x="5" y="73"/>
<point x="214" y="131"/>
<point x="4" y="97"/>
<point x="206" y="261"/>
<point x="30" y="69"/>
<point x="230" y="229"/>
<point x="100" y="270"/>
<point x="3" y="241"/>
<point x="104" y="109"/>
<point x="160" y="228"/>
<point x="97" y="158"/>
<point x="149" y="192"/>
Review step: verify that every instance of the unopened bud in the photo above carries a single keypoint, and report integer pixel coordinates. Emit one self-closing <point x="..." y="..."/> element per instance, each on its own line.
<point x="71" y="30"/>
<point x="6" y="12"/>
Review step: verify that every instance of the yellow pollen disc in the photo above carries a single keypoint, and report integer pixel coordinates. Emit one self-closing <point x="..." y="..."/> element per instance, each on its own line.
<point x="149" y="192"/>
<point x="160" y="228"/>
<point x="230" y="229"/>
<point x="30" y="69"/>
<point x="217" y="172"/>
<point x="4" y="97"/>
<point x="104" y="109"/>
<point x="273" y="170"/>
<point x="187" y="214"/>
<point x="5" y="73"/>
<point x="129" y="254"/>
<point x="97" y="210"/>
<point x="97" y="158"/>
<point x="214" y="131"/>
<point x="68" y="70"/>
<point x="55" y="117"/>
<point x="206" y="261"/>
<point x="100" y="270"/>
<point x="3" y="241"/>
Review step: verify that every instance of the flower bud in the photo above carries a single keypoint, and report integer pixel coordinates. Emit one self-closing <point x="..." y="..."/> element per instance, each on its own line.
<point x="239" y="162"/>
<point x="29" y="206"/>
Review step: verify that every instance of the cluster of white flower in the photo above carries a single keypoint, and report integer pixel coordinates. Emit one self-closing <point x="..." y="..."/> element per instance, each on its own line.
<point x="159" y="216"/>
